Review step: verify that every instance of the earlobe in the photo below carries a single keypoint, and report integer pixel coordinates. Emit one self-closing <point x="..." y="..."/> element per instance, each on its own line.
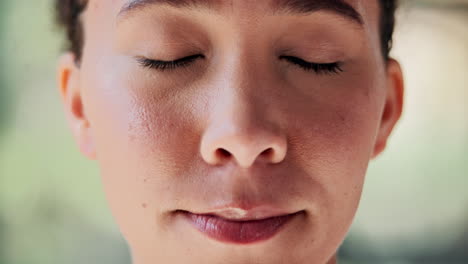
<point x="393" y="105"/>
<point x="68" y="74"/>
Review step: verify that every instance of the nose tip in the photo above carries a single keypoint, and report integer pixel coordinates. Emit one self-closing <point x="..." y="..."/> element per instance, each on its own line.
<point x="245" y="148"/>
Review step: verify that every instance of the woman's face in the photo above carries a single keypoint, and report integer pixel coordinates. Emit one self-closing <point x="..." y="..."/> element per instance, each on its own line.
<point x="271" y="115"/>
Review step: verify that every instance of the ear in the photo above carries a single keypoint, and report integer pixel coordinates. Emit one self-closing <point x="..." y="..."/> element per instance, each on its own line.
<point x="393" y="105"/>
<point x="68" y="78"/>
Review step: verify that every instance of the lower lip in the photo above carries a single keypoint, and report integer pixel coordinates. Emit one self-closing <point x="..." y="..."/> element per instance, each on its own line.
<point x="238" y="232"/>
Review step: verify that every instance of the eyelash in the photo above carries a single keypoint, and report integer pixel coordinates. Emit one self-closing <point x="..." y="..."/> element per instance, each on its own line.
<point x="168" y="65"/>
<point x="319" y="68"/>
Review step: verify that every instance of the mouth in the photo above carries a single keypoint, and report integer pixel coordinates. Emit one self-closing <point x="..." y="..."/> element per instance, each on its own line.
<point x="238" y="226"/>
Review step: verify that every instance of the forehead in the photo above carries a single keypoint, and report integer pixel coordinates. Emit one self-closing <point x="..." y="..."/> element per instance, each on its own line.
<point x="367" y="10"/>
<point x="103" y="15"/>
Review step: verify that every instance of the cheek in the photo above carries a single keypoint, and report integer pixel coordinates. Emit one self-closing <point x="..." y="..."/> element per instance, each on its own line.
<point x="132" y="112"/>
<point x="163" y="134"/>
<point x="333" y="136"/>
<point x="145" y="134"/>
<point x="145" y="142"/>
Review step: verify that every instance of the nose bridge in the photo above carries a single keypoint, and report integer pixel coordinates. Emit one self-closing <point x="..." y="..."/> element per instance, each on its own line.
<point x="241" y="87"/>
<point x="241" y="128"/>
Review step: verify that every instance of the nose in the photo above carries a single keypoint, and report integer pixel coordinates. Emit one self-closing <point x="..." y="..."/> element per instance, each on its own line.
<point x="242" y="132"/>
<point x="225" y="142"/>
<point x="243" y="127"/>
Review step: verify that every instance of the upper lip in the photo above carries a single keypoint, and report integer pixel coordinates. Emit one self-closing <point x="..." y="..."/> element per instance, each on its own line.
<point x="237" y="213"/>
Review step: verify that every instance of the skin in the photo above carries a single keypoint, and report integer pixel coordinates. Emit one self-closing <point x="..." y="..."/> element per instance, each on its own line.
<point x="156" y="135"/>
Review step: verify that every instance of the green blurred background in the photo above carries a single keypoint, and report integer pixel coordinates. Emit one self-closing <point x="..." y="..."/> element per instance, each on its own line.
<point x="414" y="207"/>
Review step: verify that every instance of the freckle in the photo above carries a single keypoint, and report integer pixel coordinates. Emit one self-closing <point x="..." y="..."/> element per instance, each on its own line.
<point x="144" y="205"/>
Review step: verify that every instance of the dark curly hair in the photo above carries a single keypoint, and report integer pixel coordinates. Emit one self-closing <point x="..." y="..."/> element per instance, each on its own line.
<point x="68" y="17"/>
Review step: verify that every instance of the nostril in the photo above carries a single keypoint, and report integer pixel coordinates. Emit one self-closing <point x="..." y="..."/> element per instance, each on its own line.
<point x="267" y="152"/>
<point x="223" y="153"/>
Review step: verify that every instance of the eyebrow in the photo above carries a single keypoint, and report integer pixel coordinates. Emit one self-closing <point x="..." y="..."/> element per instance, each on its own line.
<point x="304" y="7"/>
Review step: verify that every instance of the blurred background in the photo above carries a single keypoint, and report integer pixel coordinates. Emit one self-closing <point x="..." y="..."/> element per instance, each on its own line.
<point x="415" y="203"/>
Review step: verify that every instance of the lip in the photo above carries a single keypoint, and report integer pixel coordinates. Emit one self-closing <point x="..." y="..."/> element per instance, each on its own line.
<point x="239" y="226"/>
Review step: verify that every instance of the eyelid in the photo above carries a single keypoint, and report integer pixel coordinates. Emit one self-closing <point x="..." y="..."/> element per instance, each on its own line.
<point x="164" y="65"/>
<point x="190" y="57"/>
<point x="318" y="68"/>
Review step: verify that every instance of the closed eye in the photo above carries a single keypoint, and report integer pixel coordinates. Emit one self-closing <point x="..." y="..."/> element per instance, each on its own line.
<point x="319" y="68"/>
<point x="168" y="65"/>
